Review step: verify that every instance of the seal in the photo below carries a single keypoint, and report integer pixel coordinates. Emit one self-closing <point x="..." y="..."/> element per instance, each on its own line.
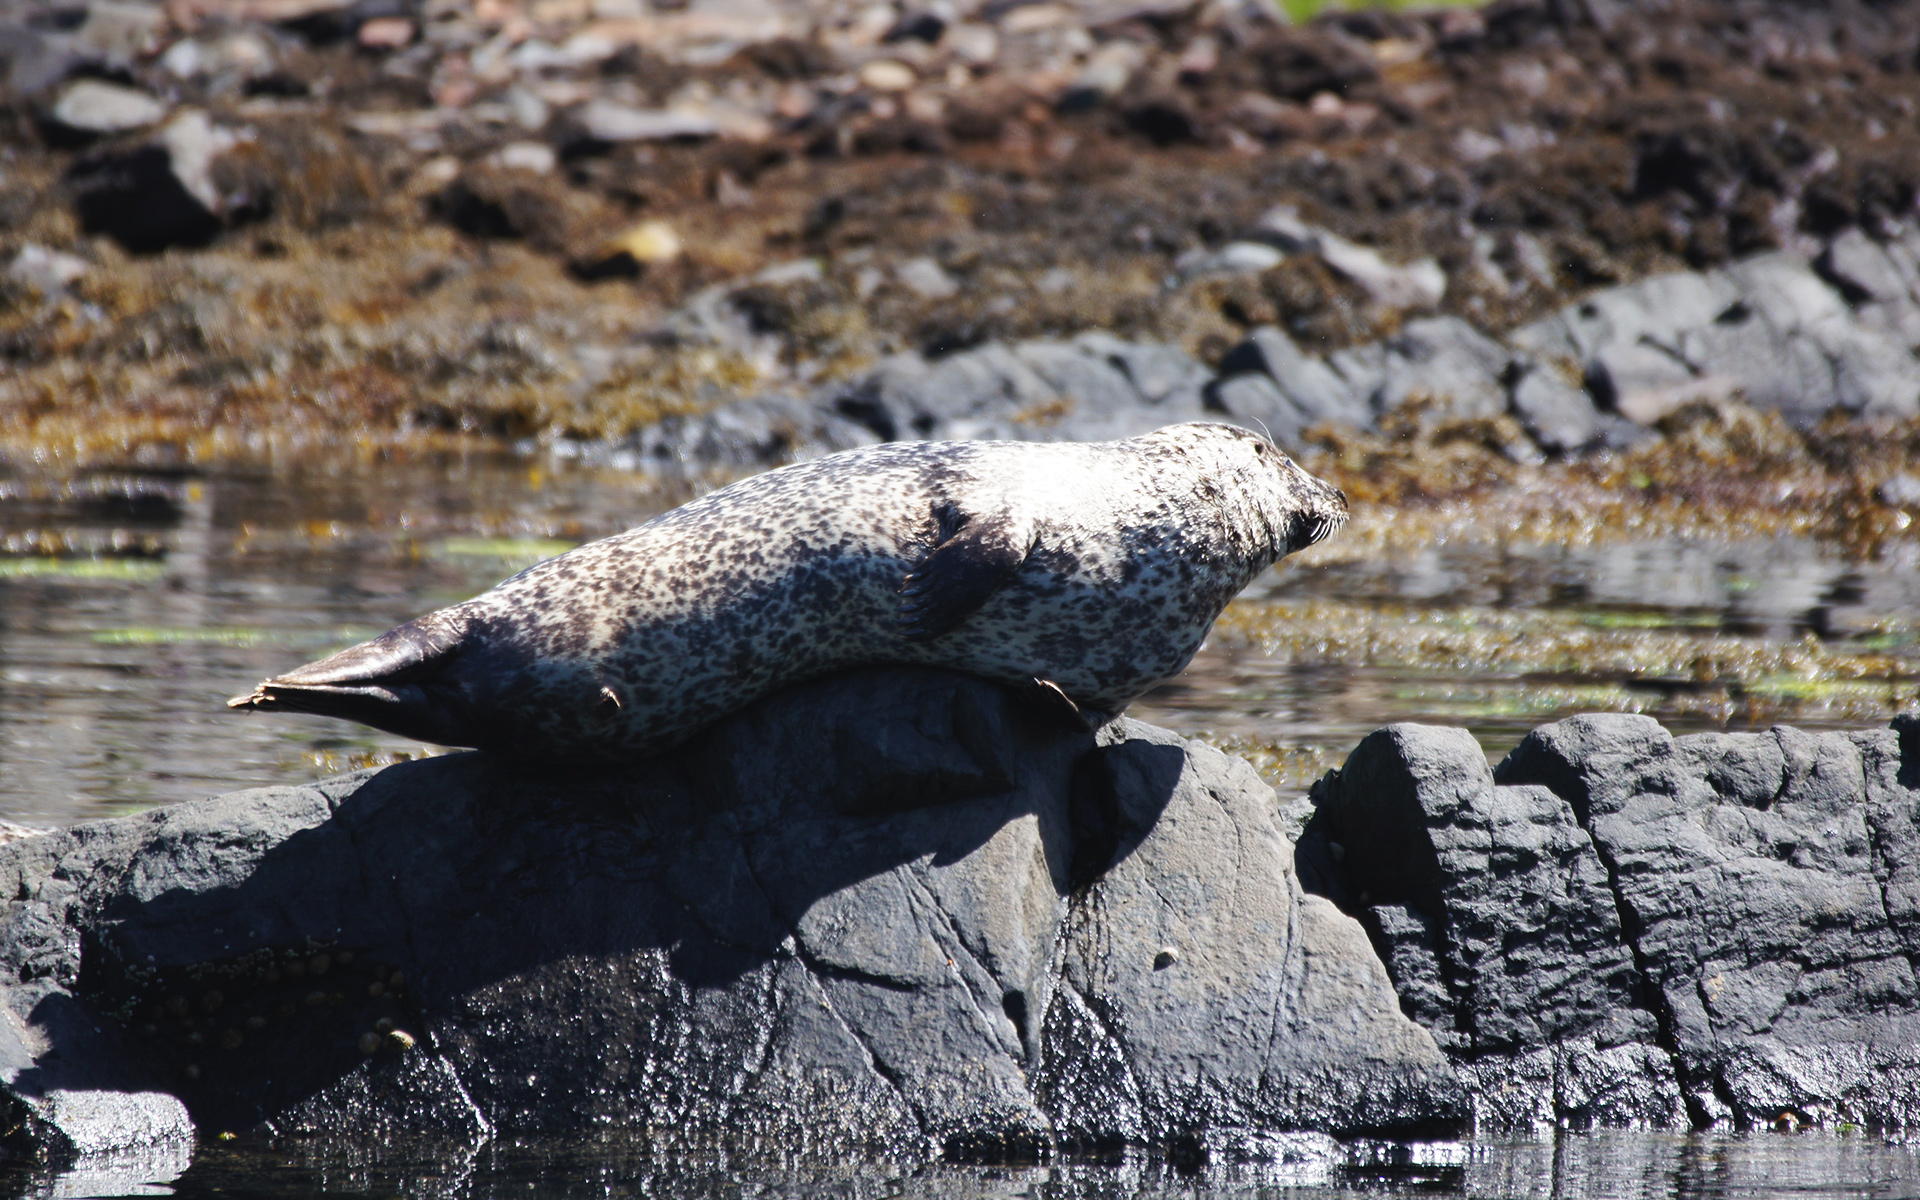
<point x="1093" y="570"/>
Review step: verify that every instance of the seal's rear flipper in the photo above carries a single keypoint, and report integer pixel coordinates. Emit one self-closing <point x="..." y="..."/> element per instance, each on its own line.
<point x="975" y="557"/>
<point x="377" y="683"/>
<point x="1050" y="698"/>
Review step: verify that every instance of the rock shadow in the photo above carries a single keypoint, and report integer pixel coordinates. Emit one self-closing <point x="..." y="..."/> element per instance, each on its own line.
<point x="269" y="956"/>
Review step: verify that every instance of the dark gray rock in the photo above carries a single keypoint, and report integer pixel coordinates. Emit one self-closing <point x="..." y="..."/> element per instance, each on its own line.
<point x="1652" y="308"/>
<point x="1448" y="364"/>
<point x="1554" y="411"/>
<point x="1096" y="397"/>
<point x="1769" y="328"/>
<point x="1494" y="912"/>
<point x="1310" y="386"/>
<point x="1090" y="389"/>
<point x="1793" y="346"/>
<point x="1644" y="382"/>
<point x="1865" y="271"/>
<point x="985" y="392"/>
<point x="1621" y="926"/>
<point x="33" y="60"/>
<point x="894" y="912"/>
<point x="1165" y="377"/>
<point x="1881" y="282"/>
<point x="761" y="431"/>
<point x="1747" y="867"/>
<point x="1254" y="400"/>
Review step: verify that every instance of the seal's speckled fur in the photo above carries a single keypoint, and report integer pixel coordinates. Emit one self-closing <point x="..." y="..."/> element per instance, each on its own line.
<point x="1097" y="567"/>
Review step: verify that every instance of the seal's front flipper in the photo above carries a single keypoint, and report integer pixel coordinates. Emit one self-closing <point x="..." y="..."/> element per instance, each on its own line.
<point x="974" y="558"/>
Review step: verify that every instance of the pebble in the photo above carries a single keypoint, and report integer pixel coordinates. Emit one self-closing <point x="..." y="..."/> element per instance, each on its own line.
<point x="1901" y="491"/>
<point x="648" y="242"/>
<point x="607" y="121"/>
<point x="926" y="278"/>
<point x="888" y="75"/>
<point x="535" y="157"/>
<point x="1418" y="284"/>
<point x="119" y="32"/>
<point x="194" y="143"/>
<point x="46" y="271"/>
<point x="91" y="106"/>
<point x="1108" y="70"/>
<point x="527" y="110"/>
<point x="973" y="44"/>
<point x="386" y="33"/>
<point x="244" y="55"/>
<point x="1234" y="258"/>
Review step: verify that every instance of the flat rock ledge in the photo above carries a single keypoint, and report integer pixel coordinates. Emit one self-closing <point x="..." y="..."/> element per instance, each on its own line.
<point x="905" y="913"/>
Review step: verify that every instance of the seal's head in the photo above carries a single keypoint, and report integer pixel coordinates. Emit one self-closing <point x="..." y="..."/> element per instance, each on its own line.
<point x="1287" y="509"/>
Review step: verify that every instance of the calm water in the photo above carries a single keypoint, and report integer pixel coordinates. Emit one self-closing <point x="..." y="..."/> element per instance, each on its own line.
<point x="1596" y="1166"/>
<point x="133" y="603"/>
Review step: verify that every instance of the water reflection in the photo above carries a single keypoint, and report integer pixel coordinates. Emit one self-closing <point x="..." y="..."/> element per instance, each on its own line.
<point x="1619" y="1165"/>
<point x="133" y="603"/>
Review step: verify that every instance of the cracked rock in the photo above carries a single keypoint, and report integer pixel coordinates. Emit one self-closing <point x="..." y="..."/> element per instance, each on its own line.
<point x="1618" y="926"/>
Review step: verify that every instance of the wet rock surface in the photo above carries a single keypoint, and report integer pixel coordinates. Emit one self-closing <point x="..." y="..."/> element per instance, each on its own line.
<point x="1618" y="926"/>
<point x="897" y="912"/>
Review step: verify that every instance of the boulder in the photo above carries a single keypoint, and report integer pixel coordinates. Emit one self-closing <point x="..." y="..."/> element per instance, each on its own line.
<point x="1619" y="926"/>
<point x="1769" y="328"/>
<point x="1880" y="282"/>
<point x="1167" y="379"/>
<point x="1254" y="399"/>
<point x="1092" y="388"/>
<point x="1420" y="284"/>
<point x="757" y="432"/>
<point x="91" y="108"/>
<point x="1494" y="911"/>
<point x="161" y="192"/>
<point x="1553" y="411"/>
<point x="898" y="911"/>
<point x="1452" y="366"/>
<point x="1310" y="386"/>
<point x="984" y="392"/>
<point x="610" y="121"/>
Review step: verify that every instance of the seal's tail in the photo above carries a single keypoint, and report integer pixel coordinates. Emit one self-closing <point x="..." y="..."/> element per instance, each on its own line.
<point x="388" y="683"/>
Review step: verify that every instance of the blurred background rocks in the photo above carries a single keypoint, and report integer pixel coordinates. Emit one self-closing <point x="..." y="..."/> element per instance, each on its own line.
<point x="737" y="231"/>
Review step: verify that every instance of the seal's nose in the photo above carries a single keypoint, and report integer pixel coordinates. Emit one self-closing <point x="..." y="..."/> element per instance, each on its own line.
<point x="1324" y="512"/>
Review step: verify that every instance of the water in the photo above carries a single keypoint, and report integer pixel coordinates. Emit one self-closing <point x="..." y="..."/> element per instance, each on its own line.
<point x="132" y="604"/>
<point x="1611" y="1165"/>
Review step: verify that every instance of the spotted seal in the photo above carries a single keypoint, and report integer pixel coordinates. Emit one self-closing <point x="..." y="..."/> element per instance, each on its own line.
<point x="1091" y="569"/>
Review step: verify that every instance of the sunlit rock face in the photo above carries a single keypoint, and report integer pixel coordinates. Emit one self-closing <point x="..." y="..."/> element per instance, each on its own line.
<point x="1618" y="926"/>
<point x="899" y="911"/>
